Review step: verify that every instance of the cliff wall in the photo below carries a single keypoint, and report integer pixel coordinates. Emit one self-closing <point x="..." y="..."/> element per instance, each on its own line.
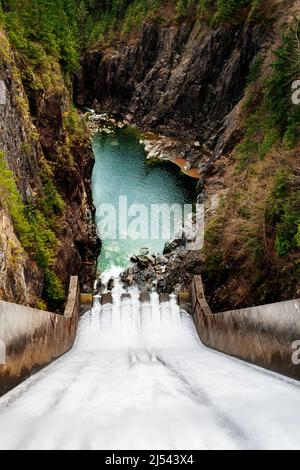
<point x="177" y="80"/>
<point x="47" y="230"/>
<point x="222" y="93"/>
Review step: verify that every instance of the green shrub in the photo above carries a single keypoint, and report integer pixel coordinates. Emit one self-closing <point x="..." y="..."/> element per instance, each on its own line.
<point x="292" y="132"/>
<point x="287" y="229"/>
<point x="260" y="136"/>
<point x="285" y="69"/>
<point x="255" y="69"/>
<point x="39" y="27"/>
<point x="53" y="292"/>
<point x="181" y="7"/>
<point x="32" y="224"/>
<point x="52" y="204"/>
<point x="134" y="16"/>
<point x="284" y="214"/>
<point x="297" y="238"/>
<point x="42" y="238"/>
<point x="10" y="200"/>
<point x="226" y="8"/>
<point x="275" y="118"/>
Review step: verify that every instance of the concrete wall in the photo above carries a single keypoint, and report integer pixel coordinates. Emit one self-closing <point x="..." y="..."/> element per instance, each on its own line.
<point x="31" y="338"/>
<point x="261" y="335"/>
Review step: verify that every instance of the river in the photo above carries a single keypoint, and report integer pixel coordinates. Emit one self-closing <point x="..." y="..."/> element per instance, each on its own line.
<point x="122" y="170"/>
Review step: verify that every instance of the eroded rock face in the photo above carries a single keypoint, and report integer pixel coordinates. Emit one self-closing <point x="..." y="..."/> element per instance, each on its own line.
<point x="20" y="279"/>
<point x="16" y="135"/>
<point x="187" y="83"/>
<point x="31" y="132"/>
<point x="182" y="80"/>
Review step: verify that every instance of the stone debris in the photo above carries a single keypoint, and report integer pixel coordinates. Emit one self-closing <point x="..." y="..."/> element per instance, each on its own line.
<point x="103" y="123"/>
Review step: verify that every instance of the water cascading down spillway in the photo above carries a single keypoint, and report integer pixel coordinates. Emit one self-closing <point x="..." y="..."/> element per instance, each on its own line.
<point x="138" y="376"/>
<point x="136" y="320"/>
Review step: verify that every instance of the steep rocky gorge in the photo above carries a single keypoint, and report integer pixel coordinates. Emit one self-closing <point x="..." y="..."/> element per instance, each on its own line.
<point x="185" y="81"/>
<point x="52" y="168"/>
<point x="198" y="84"/>
<point x="182" y="80"/>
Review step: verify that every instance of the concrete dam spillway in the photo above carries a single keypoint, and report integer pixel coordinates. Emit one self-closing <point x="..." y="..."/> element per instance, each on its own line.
<point x="149" y="227"/>
<point x="137" y="376"/>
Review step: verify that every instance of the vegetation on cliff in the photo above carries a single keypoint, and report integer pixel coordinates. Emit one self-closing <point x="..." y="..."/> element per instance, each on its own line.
<point x="252" y="243"/>
<point x="256" y="229"/>
<point x="39" y="28"/>
<point x="49" y="130"/>
<point x="34" y="224"/>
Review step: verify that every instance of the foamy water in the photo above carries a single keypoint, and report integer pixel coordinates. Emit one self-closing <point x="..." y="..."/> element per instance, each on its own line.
<point x="139" y="378"/>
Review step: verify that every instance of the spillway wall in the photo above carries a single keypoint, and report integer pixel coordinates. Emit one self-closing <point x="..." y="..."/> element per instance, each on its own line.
<point x="267" y="336"/>
<point x="31" y="339"/>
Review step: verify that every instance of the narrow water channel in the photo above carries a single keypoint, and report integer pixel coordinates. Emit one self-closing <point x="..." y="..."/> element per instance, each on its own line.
<point x="122" y="170"/>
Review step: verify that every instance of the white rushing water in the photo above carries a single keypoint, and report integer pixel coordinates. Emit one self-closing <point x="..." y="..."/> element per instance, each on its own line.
<point x="139" y="378"/>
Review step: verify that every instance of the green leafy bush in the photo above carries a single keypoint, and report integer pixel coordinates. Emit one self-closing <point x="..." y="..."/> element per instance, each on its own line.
<point x="33" y="227"/>
<point x="53" y="291"/>
<point x="285" y="69"/>
<point x="39" y="27"/>
<point x="51" y="203"/>
<point x="274" y="118"/>
<point x="226" y="8"/>
<point x="10" y="200"/>
<point x="298" y="237"/>
<point x="284" y="214"/>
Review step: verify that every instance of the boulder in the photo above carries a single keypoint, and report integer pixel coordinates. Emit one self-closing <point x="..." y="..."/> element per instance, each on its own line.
<point x="143" y="261"/>
<point x="162" y="260"/>
<point x="152" y="259"/>
<point x="107" y="131"/>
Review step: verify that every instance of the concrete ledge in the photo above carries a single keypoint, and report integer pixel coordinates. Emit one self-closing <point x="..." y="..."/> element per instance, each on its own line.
<point x="163" y="298"/>
<point x="34" y="338"/>
<point x="260" y="335"/>
<point x="145" y="298"/>
<point x="106" y="299"/>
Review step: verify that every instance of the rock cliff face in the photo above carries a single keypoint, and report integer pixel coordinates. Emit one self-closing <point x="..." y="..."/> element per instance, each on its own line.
<point x="190" y="82"/>
<point x="180" y="81"/>
<point x="183" y="81"/>
<point x="20" y="279"/>
<point x="33" y="139"/>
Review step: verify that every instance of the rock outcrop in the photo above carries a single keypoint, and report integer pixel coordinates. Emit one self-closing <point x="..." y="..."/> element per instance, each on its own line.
<point x="39" y="151"/>
<point x="20" y="279"/>
<point x="182" y="80"/>
<point x="196" y="85"/>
